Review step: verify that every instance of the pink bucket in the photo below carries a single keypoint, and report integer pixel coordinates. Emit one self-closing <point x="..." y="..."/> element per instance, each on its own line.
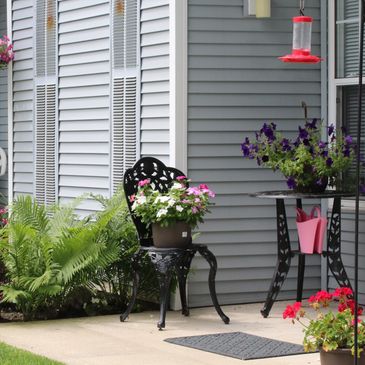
<point x="311" y="230"/>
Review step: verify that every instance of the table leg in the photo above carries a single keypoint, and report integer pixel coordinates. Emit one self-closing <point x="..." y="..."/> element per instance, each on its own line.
<point x="334" y="246"/>
<point x="283" y="260"/>
<point x="301" y="269"/>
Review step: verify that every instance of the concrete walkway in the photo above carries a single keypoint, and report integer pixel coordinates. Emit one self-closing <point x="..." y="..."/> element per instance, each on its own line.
<point x="105" y="340"/>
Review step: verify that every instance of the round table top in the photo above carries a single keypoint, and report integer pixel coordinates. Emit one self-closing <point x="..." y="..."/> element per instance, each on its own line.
<point x="290" y="194"/>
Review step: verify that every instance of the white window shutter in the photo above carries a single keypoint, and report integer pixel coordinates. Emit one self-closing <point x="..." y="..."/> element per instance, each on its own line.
<point x="50" y="147"/>
<point x="130" y="117"/>
<point x="40" y="144"/>
<point x="131" y="31"/>
<point x="118" y="33"/>
<point x="46" y="105"/>
<point x="125" y="87"/>
<point x="40" y="39"/>
<point x="118" y="133"/>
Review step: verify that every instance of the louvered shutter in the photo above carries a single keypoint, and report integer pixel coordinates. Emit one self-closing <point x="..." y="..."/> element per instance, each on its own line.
<point x="125" y="87"/>
<point x="350" y="104"/>
<point x="347" y="39"/>
<point x="46" y="106"/>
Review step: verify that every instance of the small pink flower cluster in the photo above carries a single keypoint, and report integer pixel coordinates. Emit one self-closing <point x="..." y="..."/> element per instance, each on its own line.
<point x="3" y="216"/>
<point x="6" y="52"/>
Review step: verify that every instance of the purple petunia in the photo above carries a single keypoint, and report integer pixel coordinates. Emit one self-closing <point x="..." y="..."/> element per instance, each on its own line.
<point x="331" y="129"/>
<point x="268" y="131"/>
<point x="322" y="144"/>
<point x="348" y="139"/>
<point x="312" y="124"/>
<point x="329" y="162"/>
<point x="285" y="143"/>
<point x="303" y="133"/>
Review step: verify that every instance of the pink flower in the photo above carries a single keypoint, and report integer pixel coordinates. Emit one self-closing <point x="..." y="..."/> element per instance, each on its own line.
<point x="194" y="210"/>
<point x="180" y="178"/>
<point x="194" y="191"/>
<point x="203" y="187"/>
<point x="322" y="297"/>
<point x="342" y="292"/>
<point x="4" y="221"/>
<point x="132" y="198"/>
<point x="292" y="310"/>
<point x="144" y="182"/>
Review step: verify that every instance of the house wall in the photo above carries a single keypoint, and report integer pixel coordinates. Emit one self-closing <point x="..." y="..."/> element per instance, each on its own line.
<point x="3" y="104"/>
<point x="155" y="85"/>
<point x="75" y="90"/>
<point x="84" y="98"/>
<point x="236" y="83"/>
<point x="23" y="91"/>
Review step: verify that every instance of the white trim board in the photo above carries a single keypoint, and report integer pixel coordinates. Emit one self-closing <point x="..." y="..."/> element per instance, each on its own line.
<point x="178" y="83"/>
<point x="10" y="108"/>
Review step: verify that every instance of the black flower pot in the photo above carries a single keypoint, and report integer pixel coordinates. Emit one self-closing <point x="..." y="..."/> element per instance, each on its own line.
<point x="177" y="235"/>
<point x="314" y="187"/>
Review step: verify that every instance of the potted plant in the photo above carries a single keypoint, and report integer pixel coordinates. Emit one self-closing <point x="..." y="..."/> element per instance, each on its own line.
<point x="172" y="214"/>
<point x="332" y="332"/>
<point x="308" y="162"/>
<point x="6" y="52"/>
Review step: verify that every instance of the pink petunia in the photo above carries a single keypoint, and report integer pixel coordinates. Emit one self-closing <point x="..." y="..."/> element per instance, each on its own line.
<point x="144" y="182"/>
<point x="180" y="178"/>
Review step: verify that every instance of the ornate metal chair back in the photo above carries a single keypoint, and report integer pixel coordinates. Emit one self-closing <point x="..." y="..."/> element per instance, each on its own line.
<point x="161" y="178"/>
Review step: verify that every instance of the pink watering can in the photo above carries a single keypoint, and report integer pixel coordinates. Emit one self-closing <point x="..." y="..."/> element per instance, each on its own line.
<point x="311" y="230"/>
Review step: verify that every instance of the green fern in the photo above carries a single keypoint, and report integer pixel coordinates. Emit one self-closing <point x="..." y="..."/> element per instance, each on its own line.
<point x="48" y="253"/>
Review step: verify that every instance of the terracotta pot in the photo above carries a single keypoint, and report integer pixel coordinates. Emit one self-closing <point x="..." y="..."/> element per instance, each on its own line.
<point x="177" y="235"/>
<point x="340" y="357"/>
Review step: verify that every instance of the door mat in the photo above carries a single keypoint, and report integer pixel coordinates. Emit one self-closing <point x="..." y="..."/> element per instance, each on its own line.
<point x="239" y="345"/>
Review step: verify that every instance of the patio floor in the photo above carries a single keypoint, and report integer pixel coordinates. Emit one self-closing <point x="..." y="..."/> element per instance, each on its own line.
<point x="105" y="340"/>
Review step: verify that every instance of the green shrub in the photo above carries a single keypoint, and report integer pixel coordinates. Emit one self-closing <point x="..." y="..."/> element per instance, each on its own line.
<point x="114" y="282"/>
<point x="49" y="255"/>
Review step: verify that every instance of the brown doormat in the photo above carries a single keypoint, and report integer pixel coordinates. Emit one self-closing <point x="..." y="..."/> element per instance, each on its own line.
<point x="239" y="345"/>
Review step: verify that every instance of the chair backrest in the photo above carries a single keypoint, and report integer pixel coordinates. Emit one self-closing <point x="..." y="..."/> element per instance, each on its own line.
<point x="161" y="178"/>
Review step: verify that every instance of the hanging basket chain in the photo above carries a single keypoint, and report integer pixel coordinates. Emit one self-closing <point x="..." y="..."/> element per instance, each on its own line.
<point x="301" y="7"/>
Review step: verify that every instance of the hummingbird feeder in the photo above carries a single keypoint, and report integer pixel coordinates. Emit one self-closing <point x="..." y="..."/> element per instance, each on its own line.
<point x="302" y="34"/>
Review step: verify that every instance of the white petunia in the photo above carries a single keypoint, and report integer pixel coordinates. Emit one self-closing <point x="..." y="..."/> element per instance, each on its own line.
<point x="141" y="200"/>
<point x="161" y="212"/>
<point x="179" y="208"/>
<point x="171" y="202"/>
<point x="177" y="185"/>
<point x="162" y="199"/>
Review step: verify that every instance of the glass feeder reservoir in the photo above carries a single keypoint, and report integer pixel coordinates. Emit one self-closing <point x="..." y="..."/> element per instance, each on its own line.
<point x="302" y="34"/>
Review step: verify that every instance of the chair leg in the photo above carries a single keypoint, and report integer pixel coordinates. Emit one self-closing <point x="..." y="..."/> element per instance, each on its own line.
<point x="208" y="255"/>
<point x="301" y="269"/>
<point x="135" y="267"/>
<point x="182" y="270"/>
<point x="164" y="281"/>
<point x="164" y="264"/>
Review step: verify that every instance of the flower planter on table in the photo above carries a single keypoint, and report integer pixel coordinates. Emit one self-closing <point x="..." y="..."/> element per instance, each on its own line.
<point x="285" y="252"/>
<point x="177" y="235"/>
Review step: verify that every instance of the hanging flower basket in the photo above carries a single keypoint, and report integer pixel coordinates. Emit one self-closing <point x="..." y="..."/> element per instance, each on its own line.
<point x="6" y="52"/>
<point x="308" y="162"/>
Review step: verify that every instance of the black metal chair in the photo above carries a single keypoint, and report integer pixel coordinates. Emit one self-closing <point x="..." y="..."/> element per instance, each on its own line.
<point x="165" y="260"/>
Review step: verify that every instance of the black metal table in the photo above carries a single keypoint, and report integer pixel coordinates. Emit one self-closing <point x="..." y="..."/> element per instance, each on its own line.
<point x="285" y="253"/>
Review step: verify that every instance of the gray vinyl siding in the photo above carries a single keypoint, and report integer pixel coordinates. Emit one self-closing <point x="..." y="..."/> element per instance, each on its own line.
<point x="235" y="84"/>
<point x="84" y="99"/>
<point x="23" y="91"/>
<point x="155" y="79"/>
<point x="348" y="249"/>
<point x="3" y="104"/>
